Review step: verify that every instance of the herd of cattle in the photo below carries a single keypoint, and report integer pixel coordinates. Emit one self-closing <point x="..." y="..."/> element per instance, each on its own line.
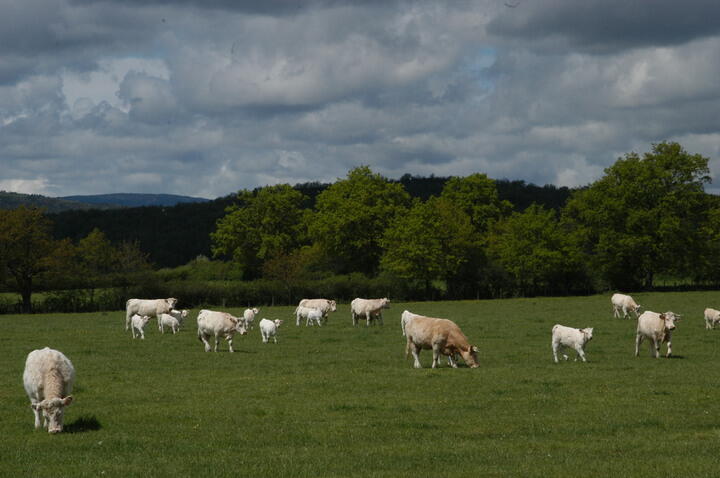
<point x="49" y="375"/>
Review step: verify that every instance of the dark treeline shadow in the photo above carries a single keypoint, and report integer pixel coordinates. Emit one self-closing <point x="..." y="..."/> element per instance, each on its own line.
<point x="85" y="423"/>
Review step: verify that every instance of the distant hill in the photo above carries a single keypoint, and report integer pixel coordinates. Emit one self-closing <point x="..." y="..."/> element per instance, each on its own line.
<point x="9" y="200"/>
<point x="135" y="199"/>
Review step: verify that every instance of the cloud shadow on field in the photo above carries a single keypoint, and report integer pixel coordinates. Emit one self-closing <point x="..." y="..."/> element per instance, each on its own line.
<point x="85" y="423"/>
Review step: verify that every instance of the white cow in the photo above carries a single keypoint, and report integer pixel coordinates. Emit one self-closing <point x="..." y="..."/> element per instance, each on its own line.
<point x="624" y="303"/>
<point x="219" y="324"/>
<point x="712" y="318"/>
<point x="48" y="378"/>
<point x="249" y="316"/>
<point x="138" y="323"/>
<point x="173" y="320"/>
<point x="572" y="338"/>
<point x="269" y="328"/>
<point x="310" y="314"/>
<point x="151" y="307"/>
<point x="658" y="328"/>
<point x="323" y="305"/>
<point x="368" y="309"/>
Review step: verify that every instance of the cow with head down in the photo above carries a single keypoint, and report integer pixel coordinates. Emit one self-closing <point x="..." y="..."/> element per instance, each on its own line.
<point x="443" y="336"/>
<point x="657" y="328"/>
<point x="48" y="379"/>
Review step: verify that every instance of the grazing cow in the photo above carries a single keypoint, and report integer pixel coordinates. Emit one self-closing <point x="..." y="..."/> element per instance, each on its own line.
<point x="572" y="338"/>
<point x="249" y="317"/>
<point x="219" y="324"/>
<point x="443" y="337"/>
<point x="269" y="328"/>
<point x="658" y="328"/>
<point x="625" y="303"/>
<point x="48" y="378"/>
<point x="712" y="317"/>
<point x="325" y="306"/>
<point x="368" y="309"/>
<point x="138" y="323"/>
<point x="151" y="307"/>
<point x="173" y="320"/>
<point x="310" y="314"/>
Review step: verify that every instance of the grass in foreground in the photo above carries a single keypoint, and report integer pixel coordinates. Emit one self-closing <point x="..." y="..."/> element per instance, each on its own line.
<point x="343" y="401"/>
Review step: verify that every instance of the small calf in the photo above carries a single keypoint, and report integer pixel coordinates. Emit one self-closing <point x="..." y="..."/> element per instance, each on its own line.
<point x="269" y="328"/>
<point x="249" y="316"/>
<point x="138" y="323"/>
<point x="173" y="320"/>
<point x="712" y="318"/>
<point x="569" y="337"/>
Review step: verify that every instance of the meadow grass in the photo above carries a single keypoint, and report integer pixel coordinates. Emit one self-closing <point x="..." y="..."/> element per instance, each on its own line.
<point x="344" y="401"/>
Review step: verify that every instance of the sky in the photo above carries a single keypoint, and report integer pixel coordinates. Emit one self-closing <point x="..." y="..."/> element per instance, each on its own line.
<point x="204" y="98"/>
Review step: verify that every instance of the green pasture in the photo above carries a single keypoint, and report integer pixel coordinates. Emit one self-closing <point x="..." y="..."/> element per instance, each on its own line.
<point x="343" y="401"/>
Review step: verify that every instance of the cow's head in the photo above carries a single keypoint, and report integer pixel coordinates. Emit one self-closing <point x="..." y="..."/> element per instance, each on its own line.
<point x="53" y="410"/>
<point x="470" y="356"/>
<point x="385" y="303"/>
<point x="333" y="306"/>
<point x="278" y="322"/>
<point x="171" y="302"/>
<point x="670" y="318"/>
<point x="240" y="326"/>
<point x="587" y="333"/>
<point x="144" y="320"/>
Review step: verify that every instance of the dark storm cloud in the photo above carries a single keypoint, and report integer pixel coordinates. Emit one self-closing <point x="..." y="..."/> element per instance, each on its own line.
<point x="607" y="25"/>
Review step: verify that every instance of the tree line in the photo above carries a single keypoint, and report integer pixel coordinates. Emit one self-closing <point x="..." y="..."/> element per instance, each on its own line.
<point x="647" y="217"/>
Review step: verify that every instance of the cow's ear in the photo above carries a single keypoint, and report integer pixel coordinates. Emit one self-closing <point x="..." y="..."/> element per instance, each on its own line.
<point x="67" y="400"/>
<point x="474" y="349"/>
<point x="662" y="316"/>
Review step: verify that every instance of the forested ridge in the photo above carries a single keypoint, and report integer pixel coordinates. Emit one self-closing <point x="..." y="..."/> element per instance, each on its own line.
<point x="647" y="220"/>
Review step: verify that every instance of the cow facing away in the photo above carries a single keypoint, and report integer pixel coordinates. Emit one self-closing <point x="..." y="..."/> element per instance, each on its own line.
<point x="151" y="307"/>
<point x="658" y="329"/>
<point x="368" y="309"/>
<point x="712" y="318"/>
<point x="48" y="379"/>
<point x="624" y="303"/>
<point x="218" y="324"/>
<point x="572" y="338"/>
<point x="325" y="306"/>
<point x="249" y="317"/>
<point x="443" y="337"/>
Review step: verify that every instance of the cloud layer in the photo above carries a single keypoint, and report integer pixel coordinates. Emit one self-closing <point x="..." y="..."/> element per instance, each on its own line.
<point x="205" y="98"/>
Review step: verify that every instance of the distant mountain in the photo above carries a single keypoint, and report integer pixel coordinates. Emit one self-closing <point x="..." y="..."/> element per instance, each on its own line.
<point x="9" y="200"/>
<point x="135" y="199"/>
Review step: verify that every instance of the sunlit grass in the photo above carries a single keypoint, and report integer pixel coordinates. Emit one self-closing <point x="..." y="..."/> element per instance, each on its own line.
<point x="344" y="401"/>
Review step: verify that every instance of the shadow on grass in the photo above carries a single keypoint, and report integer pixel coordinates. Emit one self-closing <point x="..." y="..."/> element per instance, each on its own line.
<point x="676" y="357"/>
<point x="85" y="423"/>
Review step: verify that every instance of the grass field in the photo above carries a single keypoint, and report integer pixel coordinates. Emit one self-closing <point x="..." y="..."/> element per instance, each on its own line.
<point x="343" y="401"/>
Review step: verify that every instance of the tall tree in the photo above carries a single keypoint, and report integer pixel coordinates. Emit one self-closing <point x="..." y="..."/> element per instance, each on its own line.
<point x="477" y="196"/>
<point x="266" y="223"/>
<point x="26" y="246"/>
<point x="537" y="252"/>
<point x="644" y="216"/>
<point x="432" y="241"/>
<point x="351" y="217"/>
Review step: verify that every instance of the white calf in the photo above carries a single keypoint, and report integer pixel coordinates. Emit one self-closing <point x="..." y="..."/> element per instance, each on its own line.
<point x="624" y="303"/>
<point x="249" y="316"/>
<point x="138" y="323"/>
<point x="173" y="320"/>
<point x="712" y="318"/>
<point x="310" y="314"/>
<point x="48" y="378"/>
<point x="269" y="328"/>
<point x="569" y="337"/>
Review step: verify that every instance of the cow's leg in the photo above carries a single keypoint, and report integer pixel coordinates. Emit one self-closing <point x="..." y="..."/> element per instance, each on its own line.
<point x="354" y="319"/>
<point x="669" y="347"/>
<point x="229" y="339"/>
<point x="416" y="354"/>
<point x="367" y="316"/>
<point x="655" y="348"/>
<point x="580" y="353"/>
<point x="297" y="320"/>
<point x="217" y="342"/>
<point x="555" y="346"/>
<point x="638" y="341"/>
<point x="205" y="338"/>
<point x="275" y="338"/>
<point x="436" y="355"/>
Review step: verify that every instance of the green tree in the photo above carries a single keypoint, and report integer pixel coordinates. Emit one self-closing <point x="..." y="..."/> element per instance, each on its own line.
<point x="644" y="216"/>
<point x="266" y="223"/>
<point x="477" y="196"/>
<point x="26" y="246"/>
<point x="537" y="252"/>
<point x="432" y="241"/>
<point x="351" y="217"/>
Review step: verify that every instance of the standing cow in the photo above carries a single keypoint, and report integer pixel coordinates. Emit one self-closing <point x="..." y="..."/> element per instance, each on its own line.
<point x="712" y="318"/>
<point x="658" y="328"/>
<point x="325" y="306"/>
<point x="368" y="309"/>
<point x="151" y="307"/>
<point x="219" y="324"/>
<point x="624" y="303"/>
<point x="572" y="338"/>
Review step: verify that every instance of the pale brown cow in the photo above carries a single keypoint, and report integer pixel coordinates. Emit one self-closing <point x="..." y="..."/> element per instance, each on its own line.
<point x="443" y="337"/>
